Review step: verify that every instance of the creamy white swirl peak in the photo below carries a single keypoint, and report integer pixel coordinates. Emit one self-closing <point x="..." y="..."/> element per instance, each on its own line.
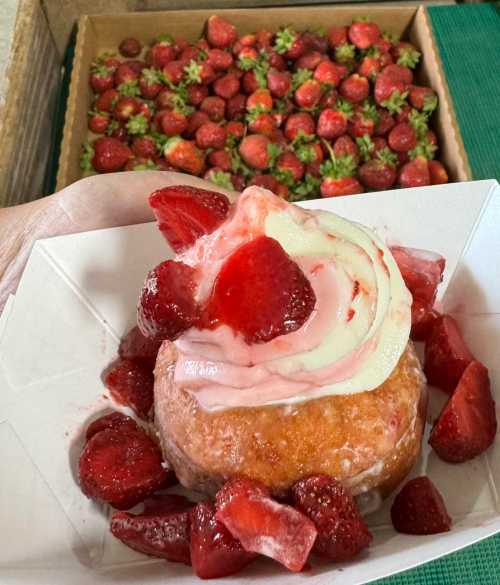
<point x="350" y="343"/>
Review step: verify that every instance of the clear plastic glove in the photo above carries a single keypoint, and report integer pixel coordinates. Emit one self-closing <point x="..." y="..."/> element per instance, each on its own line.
<point x="96" y="202"/>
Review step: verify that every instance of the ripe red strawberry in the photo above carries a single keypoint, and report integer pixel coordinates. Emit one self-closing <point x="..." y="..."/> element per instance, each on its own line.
<point x="183" y="155"/>
<point x="419" y="509"/>
<point x="166" y="99"/>
<point x="364" y="120"/>
<point x="235" y="129"/>
<point x="384" y="124"/>
<point x="196" y="93"/>
<point x="119" y="132"/>
<point x="329" y="73"/>
<point x="220" y="60"/>
<point x="467" y="424"/>
<point x="98" y="122"/>
<point x="215" y="107"/>
<point x="329" y="99"/>
<point x="144" y="147"/>
<point x="342" y="532"/>
<point x="405" y="54"/>
<point x="300" y="122"/>
<point x="227" y="86"/>
<point x="380" y="172"/>
<point x="261" y="123"/>
<point x="220" y="33"/>
<point x="415" y="173"/>
<point x="125" y="108"/>
<point x="289" y="163"/>
<point x="345" y="146"/>
<point x="290" y="44"/>
<point x="254" y="149"/>
<point x="309" y="60"/>
<point x="220" y="159"/>
<point x="162" y="52"/>
<point x="210" y="135"/>
<point x="261" y="293"/>
<point x="174" y="71"/>
<point x="390" y="93"/>
<point x="370" y="67"/>
<point x="134" y="346"/>
<point x="189" y="53"/>
<point x="113" y="420"/>
<point x="121" y="467"/>
<point x="265" y="181"/>
<point x="101" y="78"/>
<point x="261" y="99"/>
<point x="446" y="354"/>
<point x="315" y="41"/>
<point x="167" y="307"/>
<point x="423" y="98"/>
<point x="173" y="123"/>
<point x="264" y="39"/>
<point x="333" y="123"/>
<point x="236" y="107"/>
<point x="437" y="172"/>
<point x="136" y="65"/>
<point x="149" y="84"/>
<point x="161" y="531"/>
<point x="423" y="318"/>
<point x="125" y="74"/>
<point x="337" y="174"/>
<point x="337" y="35"/>
<point x="308" y="94"/>
<point x="195" y="120"/>
<point x="215" y="552"/>
<point x="402" y="137"/>
<point x="279" y="82"/>
<point x="398" y="73"/>
<point x="364" y="34"/>
<point x="355" y="88"/>
<point x="130" y="47"/>
<point x="110" y="155"/>
<point x="331" y="187"/>
<point x="263" y="525"/>
<point x="276" y="60"/>
<point x="106" y="101"/>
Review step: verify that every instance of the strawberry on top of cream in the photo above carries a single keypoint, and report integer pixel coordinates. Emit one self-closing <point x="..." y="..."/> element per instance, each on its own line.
<point x="350" y="343"/>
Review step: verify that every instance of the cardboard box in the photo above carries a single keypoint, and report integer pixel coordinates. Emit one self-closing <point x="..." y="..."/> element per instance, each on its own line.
<point x="104" y="32"/>
<point x="86" y="290"/>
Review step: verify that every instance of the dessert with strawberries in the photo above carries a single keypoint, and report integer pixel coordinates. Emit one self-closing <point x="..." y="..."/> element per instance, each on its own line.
<point x="303" y="113"/>
<point x="273" y="370"/>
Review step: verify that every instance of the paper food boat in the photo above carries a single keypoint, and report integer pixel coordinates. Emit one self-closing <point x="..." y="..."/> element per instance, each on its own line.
<point x="78" y="296"/>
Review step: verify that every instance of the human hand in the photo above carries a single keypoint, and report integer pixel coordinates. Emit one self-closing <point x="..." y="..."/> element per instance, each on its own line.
<point x="96" y="202"/>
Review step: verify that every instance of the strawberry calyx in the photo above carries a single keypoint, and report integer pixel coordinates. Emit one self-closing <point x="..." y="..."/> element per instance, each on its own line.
<point x="86" y="157"/>
<point x="387" y="156"/>
<point x="308" y="188"/>
<point x="393" y="38"/>
<point x="165" y="40"/>
<point x="396" y="102"/>
<point x="137" y="125"/>
<point x="274" y="151"/>
<point x="129" y="88"/>
<point x="222" y="179"/>
<point x="408" y="57"/>
<point x="101" y="70"/>
<point x="345" y="107"/>
<point x="345" y="53"/>
<point x="112" y="126"/>
<point x="150" y="76"/>
<point x="366" y="147"/>
<point x="337" y="167"/>
<point x="300" y="77"/>
<point x="423" y="149"/>
<point x="192" y="72"/>
<point x="285" y="38"/>
<point x="370" y="112"/>
<point x="430" y="104"/>
<point x="147" y="165"/>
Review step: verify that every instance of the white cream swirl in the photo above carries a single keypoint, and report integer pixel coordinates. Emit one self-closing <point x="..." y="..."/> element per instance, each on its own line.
<point x="352" y="340"/>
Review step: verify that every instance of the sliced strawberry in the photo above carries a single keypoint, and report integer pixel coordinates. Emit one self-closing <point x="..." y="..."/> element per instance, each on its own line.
<point x="467" y="424"/>
<point x="162" y="531"/>
<point x="446" y="354"/>
<point x="419" y="509"/>
<point x="423" y="318"/>
<point x="214" y="551"/>
<point x="165" y="503"/>
<point x="167" y="306"/>
<point x="121" y="468"/>
<point x="342" y="532"/>
<point x="134" y="346"/>
<point x="263" y="525"/>
<point x="113" y="420"/>
<point x="261" y="293"/>
<point x="186" y="213"/>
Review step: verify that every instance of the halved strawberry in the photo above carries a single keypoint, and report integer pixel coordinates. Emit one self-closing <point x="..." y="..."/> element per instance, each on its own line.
<point x="263" y="525"/>
<point x="261" y="292"/>
<point x="446" y="354"/>
<point x="342" y="532"/>
<point x="162" y="530"/>
<point x="467" y="424"/>
<point x="113" y="420"/>
<point x="121" y="468"/>
<point x="214" y="551"/>
<point x="419" y="509"/>
<point x="186" y="213"/>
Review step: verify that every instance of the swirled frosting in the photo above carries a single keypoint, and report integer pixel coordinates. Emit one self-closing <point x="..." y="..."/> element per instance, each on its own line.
<point x="350" y="343"/>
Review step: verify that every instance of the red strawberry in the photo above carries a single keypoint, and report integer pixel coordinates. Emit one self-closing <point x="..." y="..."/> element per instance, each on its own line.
<point x="166" y="99"/>
<point x="332" y="123"/>
<point x="423" y="98"/>
<point x="308" y="94"/>
<point x="114" y="420"/>
<point x="390" y="93"/>
<point x="345" y="146"/>
<point x="121" y="467"/>
<point x="174" y="71"/>
<point x="214" y="551"/>
<point x="276" y="60"/>
<point x="329" y="73"/>
<point x="149" y="84"/>
<point x="220" y="32"/>
<point x="300" y="122"/>
<point x="120" y="133"/>
<point x="279" y="82"/>
<point x="329" y="99"/>
<point x="423" y="318"/>
<point x="162" y="52"/>
<point x="342" y="532"/>
<point x="364" y="120"/>
<point x="355" y="88"/>
<point x="467" y="424"/>
<point x="446" y="354"/>
<point x="220" y="159"/>
<point x="331" y="187"/>
<point x="227" y="86"/>
<point x="264" y="39"/>
<point x="236" y="107"/>
<point x="98" y="122"/>
<point x="369" y="67"/>
<point x="402" y="137"/>
<point x="106" y="101"/>
<point x="315" y="41"/>
<point x="437" y="172"/>
<point x="266" y="182"/>
<point x="101" y="78"/>
<point x="419" y="509"/>
<point x="195" y="120"/>
<point x="406" y="54"/>
<point x="250" y="83"/>
<point x="309" y="61"/>
<point x="125" y="108"/>
<point x="210" y="135"/>
<point x="130" y="47"/>
<point x="215" y="107"/>
<point x="189" y="53"/>
<point x="261" y="293"/>
<point x="385" y="122"/>
<point x="364" y="34"/>
<point x="261" y="124"/>
<point x="125" y="74"/>
<point x="254" y="149"/>
<point x="220" y="60"/>
<point x="263" y="525"/>
<point x="415" y="173"/>
<point x="196" y="93"/>
<point x="134" y="346"/>
<point x="144" y="147"/>
<point x="289" y="163"/>
<point x="398" y="73"/>
<point x="183" y="155"/>
<point x="380" y="172"/>
<point x="290" y="44"/>
<point x="235" y="129"/>
<point x="162" y="531"/>
<point x="379" y="144"/>
<point x="337" y="35"/>
<point x="110" y="155"/>
<point x="173" y="123"/>
<point x="261" y="99"/>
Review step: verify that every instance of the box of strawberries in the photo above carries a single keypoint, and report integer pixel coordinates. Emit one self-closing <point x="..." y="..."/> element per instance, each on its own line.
<point x="306" y="102"/>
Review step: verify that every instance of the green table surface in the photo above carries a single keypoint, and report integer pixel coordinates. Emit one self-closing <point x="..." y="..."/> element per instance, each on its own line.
<point x="468" y="38"/>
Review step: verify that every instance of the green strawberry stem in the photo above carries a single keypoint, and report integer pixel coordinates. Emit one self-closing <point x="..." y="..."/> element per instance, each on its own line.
<point x="284" y="40"/>
<point x="396" y="102"/>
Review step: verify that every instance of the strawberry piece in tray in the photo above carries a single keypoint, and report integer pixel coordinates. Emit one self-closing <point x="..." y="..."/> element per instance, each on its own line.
<point x="467" y="425"/>
<point x="263" y="525"/>
<point x="419" y="509"/>
<point x="113" y="420"/>
<point x="138" y="348"/>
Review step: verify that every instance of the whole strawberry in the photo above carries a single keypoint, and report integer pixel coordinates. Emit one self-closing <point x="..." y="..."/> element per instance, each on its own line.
<point x="162" y="52"/>
<point x="390" y="93"/>
<point x="332" y="123"/>
<point x="130" y="47"/>
<point x="338" y="176"/>
<point x="101" y="78"/>
<point x="380" y="172"/>
<point x="364" y="34"/>
<point x="220" y="32"/>
<point x="254" y="150"/>
<point x="355" y="88"/>
<point x="98" y="122"/>
<point x="110" y="155"/>
<point x="183" y="155"/>
<point x="415" y="173"/>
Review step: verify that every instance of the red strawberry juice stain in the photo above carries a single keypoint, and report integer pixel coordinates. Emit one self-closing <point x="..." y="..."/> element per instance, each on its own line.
<point x="355" y="289"/>
<point x="316" y="268"/>
<point x="350" y="314"/>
